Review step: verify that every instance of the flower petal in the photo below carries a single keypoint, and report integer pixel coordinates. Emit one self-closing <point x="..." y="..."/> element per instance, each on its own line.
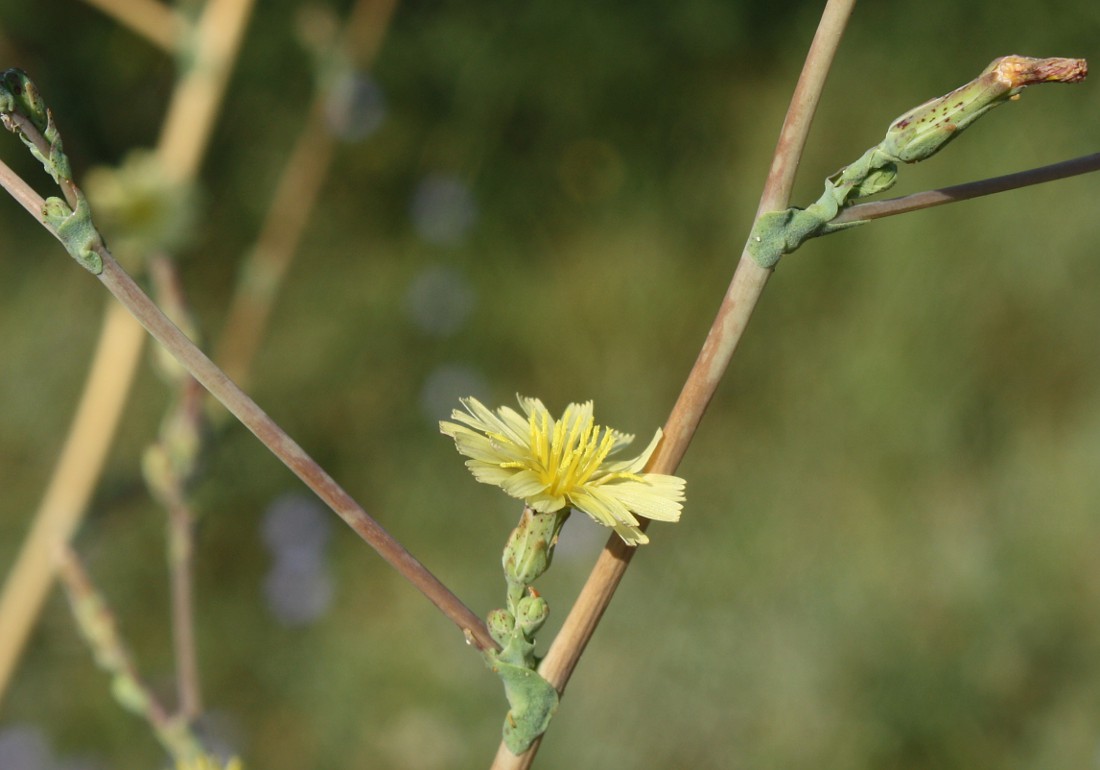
<point x="505" y="422"/>
<point x="655" y="497"/>
<point x="524" y="483"/>
<point x="603" y="507"/>
<point x="610" y="512"/>
<point x="490" y="473"/>
<point x="471" y="444"/>
<point x="639" y="462"/>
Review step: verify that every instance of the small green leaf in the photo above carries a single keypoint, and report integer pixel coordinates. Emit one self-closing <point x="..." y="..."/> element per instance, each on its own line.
<point x="76" y="231"/>
<point x="533" y="702"/>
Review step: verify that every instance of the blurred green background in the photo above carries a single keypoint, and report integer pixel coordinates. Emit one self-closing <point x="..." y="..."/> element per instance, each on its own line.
<point x="889" y="554"/>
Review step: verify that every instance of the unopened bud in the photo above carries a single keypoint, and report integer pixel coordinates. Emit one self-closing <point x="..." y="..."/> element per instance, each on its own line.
<point x="530" y="548"/>
<point x="532" y="613"/>
<point x="500" y="624"/>
<point x="924" y="130"/>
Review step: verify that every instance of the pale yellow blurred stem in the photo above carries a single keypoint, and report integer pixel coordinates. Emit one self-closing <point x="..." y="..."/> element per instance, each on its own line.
<point x="268" y="261"/>
<point x="744" y="291"/>
<point x="183" y="141"/>
<point x="156" y="22"/>
<point x="266" y="265"/>
<point x="198" y="95"/>
<point x="74" y="479"/>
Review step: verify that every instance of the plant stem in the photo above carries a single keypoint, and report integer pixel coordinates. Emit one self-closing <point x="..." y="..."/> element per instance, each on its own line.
<point x="97" y="625"/>
<point x="197" y="96"/>
<point x="183" y="139"/>
<point x="744" y="291"/>
<point x="266" y="265"/>
<point x="154" y="21"/>
<point x="181" y="548"/>
<point x="287" y="450"/>
<point x="180" y="443"/>
<point x="78" y="467"/>
<point x="292" y="455"/>
<point x="865" y="212"/>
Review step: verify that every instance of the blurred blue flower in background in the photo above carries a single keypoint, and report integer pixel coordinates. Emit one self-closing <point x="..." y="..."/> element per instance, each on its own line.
<point x="445" y="385"/>
<point x="24" y="747"/>
<point x="297" y="593"/>
<point x="355" y="107"/>
<point x="443" y="209"/>
<point x="439" y="300"/>
<point x="298" y="589"/>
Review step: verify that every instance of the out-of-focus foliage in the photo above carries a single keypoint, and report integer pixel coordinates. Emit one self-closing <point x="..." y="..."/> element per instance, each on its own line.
<point x="888" y="556"/>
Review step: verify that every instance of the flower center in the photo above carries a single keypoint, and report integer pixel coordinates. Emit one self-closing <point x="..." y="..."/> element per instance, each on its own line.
<point x="567" y="453"/>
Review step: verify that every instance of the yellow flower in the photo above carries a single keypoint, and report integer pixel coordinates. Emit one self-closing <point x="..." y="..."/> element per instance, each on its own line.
<point x="550" y="464"/>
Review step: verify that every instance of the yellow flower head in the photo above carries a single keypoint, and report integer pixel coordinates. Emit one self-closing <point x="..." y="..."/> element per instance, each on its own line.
<point x="550" y="464"/>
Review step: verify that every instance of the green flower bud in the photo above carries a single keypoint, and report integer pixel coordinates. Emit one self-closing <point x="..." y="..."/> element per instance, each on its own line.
<point x="533" y="612"/>
<point x="925" y="130"/>
<point x="530" y="547"/>
<point x="500" y="624"/>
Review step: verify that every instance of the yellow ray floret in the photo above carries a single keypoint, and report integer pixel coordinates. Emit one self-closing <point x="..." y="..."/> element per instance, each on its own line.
<point x="551" y="464"/>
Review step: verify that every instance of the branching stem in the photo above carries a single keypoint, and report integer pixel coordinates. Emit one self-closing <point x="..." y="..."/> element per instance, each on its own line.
<point x="275" y="438"/>
<point x="155" y="21"/>
<point x="97" y="625"/>
<point x="744" y="291"/>
<point x="184" y="138"/>
<point x="865" y="212"/>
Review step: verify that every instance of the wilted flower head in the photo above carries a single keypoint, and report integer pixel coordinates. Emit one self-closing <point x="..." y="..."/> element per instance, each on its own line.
<point x="550" y="464"/>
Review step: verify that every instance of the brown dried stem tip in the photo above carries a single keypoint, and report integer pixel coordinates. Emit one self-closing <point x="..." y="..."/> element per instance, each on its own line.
<point x="1020" y="71"/>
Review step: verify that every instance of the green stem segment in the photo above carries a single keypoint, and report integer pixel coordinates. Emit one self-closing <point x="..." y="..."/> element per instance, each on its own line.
<point x="915" y="136"/>
<point x="532" y="699"/>
<point x="24" y="113"/>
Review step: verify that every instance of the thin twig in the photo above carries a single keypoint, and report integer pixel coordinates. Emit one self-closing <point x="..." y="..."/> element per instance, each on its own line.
<point x="184" y="138"/>
<point x="744" y="291"/>
<point x="181" y="551"/>
<point x="197" y="97"/>
<point x="179" y="443"/>
<point x="288" y="451"/>
<point x="266" y="265"/>
<point x="97" y="625"/>
<point x="75" y="475"/>
<point x="126" y="291"/>
<point x="865" y="212"/>
<point x="160" y="25"/>
<point x="27" y="128"/>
